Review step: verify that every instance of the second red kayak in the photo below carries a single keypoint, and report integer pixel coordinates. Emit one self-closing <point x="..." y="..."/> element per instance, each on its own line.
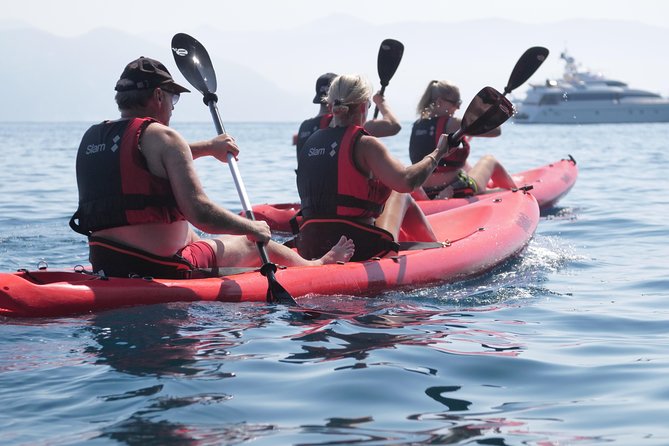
<point x="549" y="184"/>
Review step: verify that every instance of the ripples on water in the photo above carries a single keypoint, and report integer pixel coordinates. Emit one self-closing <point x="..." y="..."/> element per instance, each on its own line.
<point x="565" y="344"/>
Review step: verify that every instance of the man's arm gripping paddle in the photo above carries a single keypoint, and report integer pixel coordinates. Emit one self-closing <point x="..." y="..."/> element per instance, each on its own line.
<point x="194" y="63"/>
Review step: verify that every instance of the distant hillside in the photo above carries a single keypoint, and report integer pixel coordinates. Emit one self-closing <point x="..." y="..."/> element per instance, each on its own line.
<point x="269" y="76"/>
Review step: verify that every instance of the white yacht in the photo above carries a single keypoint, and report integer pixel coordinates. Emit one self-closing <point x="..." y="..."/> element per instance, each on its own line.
<point x="583" y="97"/>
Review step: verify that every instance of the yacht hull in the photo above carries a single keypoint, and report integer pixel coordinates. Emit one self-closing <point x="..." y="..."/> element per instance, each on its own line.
<point x="592" y="114"/>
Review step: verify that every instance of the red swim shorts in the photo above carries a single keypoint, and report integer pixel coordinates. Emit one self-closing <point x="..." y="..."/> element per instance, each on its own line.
<point x="200" y="254"/>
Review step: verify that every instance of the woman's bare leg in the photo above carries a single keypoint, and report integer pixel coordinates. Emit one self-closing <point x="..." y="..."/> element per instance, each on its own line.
<point x="488" y="168"/>
<point x="402" y="211"/>
<point x="393" y="213"/>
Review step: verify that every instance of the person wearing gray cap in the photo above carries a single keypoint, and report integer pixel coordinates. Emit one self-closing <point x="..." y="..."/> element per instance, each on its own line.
<point x="139" y="192"/>
<point x="323" y="118"/>
<point x="388" y="125"/>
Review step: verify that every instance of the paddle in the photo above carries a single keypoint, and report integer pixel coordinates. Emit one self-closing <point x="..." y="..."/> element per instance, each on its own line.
<point x="489" y="108"/>
<point x="390" y="55"/>
<point x="194" y="63"/>
<point x="526" y="66"/>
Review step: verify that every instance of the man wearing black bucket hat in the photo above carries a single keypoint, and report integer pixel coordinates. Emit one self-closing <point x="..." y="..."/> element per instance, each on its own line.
<point x="388" y="125"/>
<point x="138" y="192"/>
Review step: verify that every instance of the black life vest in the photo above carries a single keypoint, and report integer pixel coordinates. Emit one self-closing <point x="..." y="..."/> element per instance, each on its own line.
<point x="329" y="183"/>
<point x="115" y="185"/>
<point x="309" y="127"/>
<point x="425" y="135"/>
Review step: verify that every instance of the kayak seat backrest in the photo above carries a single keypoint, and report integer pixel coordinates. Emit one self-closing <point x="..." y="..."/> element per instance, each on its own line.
<point x="317" y="236"/>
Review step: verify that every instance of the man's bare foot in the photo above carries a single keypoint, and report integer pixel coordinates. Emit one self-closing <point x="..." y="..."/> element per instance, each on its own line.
<point x="341" y="252"/>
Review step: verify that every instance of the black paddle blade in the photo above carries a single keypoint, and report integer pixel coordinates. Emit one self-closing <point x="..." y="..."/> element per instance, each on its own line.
<point x="526" y="66"/>
<point x="390" y="55"/>
<point x="275" y="292"/>
<point x="194" y="63"/>
<point x="278" y="294"/>
<point x="489" y="109"/>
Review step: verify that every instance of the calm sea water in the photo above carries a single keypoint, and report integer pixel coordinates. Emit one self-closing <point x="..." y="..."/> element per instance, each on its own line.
<point x="567" y="344"/>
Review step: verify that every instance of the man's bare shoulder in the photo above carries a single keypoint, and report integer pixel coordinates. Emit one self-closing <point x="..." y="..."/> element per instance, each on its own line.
<point x="160" y="141"/>
<point x="157" y="133"/>
<point x="164" y="149"/>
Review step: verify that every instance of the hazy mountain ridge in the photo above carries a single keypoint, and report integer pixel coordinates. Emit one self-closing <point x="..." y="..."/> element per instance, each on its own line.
<point x="269" y="75"/>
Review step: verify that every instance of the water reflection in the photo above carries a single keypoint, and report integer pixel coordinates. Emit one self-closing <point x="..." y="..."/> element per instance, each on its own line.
<point x="356" y="333"/>
<point x="144" y="341"/>
<point x="201" y="341"/>
<point x="166" y="340"/>
<point x="361" y="329"/>
<point x="481" y="429"/>
<point x="138" y="431"/>
<point x="483" y="433"/>
<point x="453" y="404"/>
<point x="148" y="426"/>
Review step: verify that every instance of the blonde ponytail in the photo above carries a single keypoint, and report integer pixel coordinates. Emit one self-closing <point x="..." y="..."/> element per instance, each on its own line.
<point x="346" y="91"/>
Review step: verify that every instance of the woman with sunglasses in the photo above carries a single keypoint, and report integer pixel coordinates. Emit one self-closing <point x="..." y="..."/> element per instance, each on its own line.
<point x="350" y="185"/>
<point x="453" y="176"/>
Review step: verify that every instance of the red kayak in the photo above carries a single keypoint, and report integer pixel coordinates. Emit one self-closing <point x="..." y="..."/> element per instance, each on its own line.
<point x="549" y="184"/>
<point x="475" y="239"/>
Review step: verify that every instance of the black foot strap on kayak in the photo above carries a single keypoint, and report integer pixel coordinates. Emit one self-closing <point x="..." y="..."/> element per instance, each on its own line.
<point x="403" y="246"/>
<point x="524" y="189"/>
<point x="413" y="246"/>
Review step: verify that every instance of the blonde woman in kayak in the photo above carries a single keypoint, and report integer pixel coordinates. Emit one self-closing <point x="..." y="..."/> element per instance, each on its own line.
<point x="139" y="192"/>
<point x="453" y="176"/>
<point x="387" y="125"/>
<point x="350" y="184"/>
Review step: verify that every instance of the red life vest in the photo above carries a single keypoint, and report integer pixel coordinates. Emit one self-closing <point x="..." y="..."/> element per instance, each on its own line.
<point x="115" y="185"/>
<point x="329" y="183"/>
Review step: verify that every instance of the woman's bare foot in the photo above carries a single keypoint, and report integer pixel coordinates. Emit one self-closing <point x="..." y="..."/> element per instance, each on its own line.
<point x="341" y="252"/>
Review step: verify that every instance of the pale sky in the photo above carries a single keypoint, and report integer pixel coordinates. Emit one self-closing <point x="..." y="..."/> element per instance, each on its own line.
<point x="75" y="17"/>
<point x="284" y="65"/>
